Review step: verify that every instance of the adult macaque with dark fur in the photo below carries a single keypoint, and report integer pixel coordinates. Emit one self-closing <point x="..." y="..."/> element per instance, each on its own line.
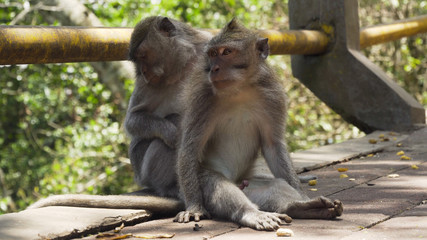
<point x="235" y="108"/>
<point x="163" y="51"/>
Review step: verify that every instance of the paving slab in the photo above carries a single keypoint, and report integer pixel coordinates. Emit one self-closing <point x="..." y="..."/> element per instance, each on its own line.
<point x="65" y="222"/>
<point x="411" y="224"/>
<point x="206" y="229"/>
<point x="319" y="157"/>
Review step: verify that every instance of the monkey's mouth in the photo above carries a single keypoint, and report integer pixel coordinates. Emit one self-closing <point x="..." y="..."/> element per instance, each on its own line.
<point x="152" y="79"/>
<point x="221" y="84"/>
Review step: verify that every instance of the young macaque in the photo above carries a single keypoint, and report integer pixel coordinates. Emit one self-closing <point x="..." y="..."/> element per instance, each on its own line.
<point x="236" y="107"/>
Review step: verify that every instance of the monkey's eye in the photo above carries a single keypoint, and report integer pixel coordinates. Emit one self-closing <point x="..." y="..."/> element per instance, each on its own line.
<point x="226" y="52"/>
<point x="212" y="53"/>
<point x="140" y="55"/>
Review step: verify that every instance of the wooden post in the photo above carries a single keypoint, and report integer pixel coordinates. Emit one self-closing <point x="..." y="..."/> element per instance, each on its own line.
<point x="342" y="77"/>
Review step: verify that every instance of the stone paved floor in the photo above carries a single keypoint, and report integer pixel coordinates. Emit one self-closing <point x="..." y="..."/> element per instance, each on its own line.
<point x="376" y="205"/>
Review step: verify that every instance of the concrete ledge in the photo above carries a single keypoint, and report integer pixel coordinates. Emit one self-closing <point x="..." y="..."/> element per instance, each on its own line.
<point x="65" y="222"/>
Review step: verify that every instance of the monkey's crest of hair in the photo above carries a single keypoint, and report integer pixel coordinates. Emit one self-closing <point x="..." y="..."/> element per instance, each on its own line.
<point x="152" y="26"/>
<point x="236" y="31"/>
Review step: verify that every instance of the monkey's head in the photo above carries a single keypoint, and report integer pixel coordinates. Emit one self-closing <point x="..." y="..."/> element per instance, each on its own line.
<point x="235" y="57"/>
<point x="159" y="50"/>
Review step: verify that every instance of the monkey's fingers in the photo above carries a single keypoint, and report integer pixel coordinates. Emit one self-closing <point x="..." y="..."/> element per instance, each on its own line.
<point x="285" y="217"/>
<point x="181" y="216"/>
<point x="187" y="216"/>
<point x="338" y="207"/>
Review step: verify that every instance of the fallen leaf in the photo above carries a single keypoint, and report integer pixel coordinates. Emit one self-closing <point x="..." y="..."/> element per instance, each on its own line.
<point x="118" y="229"/>
<point x="122" y="236"/>
<point x="148" y="236"/>
<point x="372" y="141"/>
<point x="381" y="136"/>
<point x="405" y="158"/>
<point x="386" y="139"/>
<point x="400" y="153"/>
<point x="312" y="182"/>
<point x="414" y="167"/>
<point x="352" y="179"/>
<point x="102" y="235"/>
<point x="399" y="145"/>
<point x="343" y="176"/>
<point x="342" y="169"/>
<point x="313" y="189"/>
<point x="370" y="155"/>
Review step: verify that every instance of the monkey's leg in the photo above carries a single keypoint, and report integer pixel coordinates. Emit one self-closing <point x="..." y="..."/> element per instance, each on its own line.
<point x="225" y="200"/>
<point x="276" y="195"/>
<point x="137" y="149"/>
<point x="156" y="169"/>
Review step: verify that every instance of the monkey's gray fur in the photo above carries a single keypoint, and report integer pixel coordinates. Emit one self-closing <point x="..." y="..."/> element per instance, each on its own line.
<point x="236" y="107"/>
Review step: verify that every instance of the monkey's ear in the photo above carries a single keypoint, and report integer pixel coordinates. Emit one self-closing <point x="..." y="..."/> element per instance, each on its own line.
<point x="167" y="27"/>
<point x="233" y="24"/>
<point x="263" y="47"/>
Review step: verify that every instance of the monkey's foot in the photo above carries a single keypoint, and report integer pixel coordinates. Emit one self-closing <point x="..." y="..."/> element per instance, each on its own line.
<point x="321" y="208"/>
<point x="191" y="214"/>
<point x="263" y="220"/>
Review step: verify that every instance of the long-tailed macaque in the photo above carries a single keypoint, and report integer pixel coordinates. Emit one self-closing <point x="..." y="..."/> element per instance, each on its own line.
<point x="235" y="107"/>
<point x="163" y="51"/>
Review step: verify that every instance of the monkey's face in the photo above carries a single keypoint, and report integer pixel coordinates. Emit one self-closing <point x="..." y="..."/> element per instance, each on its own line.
<point x="227" y="67"/>
<point x="148" y="64"/>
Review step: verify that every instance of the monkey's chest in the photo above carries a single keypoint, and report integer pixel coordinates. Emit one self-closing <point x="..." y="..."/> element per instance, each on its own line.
<point x="234" y="146"/>
<point x="166" y="104"/>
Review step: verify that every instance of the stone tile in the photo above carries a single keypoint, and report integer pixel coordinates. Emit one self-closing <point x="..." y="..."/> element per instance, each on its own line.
<point x="209" y="229"/>
<point x="411" y="224"/>
<point x="53" y="222"/>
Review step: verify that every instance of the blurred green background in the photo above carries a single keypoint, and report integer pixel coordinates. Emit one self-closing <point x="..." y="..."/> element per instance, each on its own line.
<point x="61" y="125"/>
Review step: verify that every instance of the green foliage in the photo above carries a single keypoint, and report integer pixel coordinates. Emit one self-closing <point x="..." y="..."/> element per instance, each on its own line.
<point x="61" y="128"/>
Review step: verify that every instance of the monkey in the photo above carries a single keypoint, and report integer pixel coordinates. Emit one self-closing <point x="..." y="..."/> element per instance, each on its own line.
<point x="163" y="52"/>
<point x="236" y="107"/>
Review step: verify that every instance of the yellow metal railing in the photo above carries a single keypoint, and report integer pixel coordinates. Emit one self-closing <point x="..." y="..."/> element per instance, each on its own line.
<point x="27" y="44"/>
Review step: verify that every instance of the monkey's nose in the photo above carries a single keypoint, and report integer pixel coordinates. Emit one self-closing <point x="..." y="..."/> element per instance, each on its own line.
<point x="215" y="68"/>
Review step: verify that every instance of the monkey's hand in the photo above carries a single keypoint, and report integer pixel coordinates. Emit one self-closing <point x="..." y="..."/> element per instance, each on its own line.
<point x="174" y="118"/>
<point x="170" y="137"/>
<point x="192" y="212"/>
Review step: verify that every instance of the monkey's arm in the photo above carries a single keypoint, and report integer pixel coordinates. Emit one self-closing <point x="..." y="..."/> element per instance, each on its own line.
<point x="188" y="165"/>
<point x="146" y="125"/>
<point x="272" y="136"/>
<point x="279" y="162"/>
<point x="196" y="130"/>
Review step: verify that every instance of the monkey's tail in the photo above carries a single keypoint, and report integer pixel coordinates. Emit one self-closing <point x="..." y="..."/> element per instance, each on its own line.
<point x="155" y="204"/>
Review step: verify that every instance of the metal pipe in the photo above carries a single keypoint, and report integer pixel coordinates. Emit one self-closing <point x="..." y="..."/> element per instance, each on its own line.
<point x="19" y="45"/>
<point x="302" y="42"/>
<point x="388" y="32"/>
<point x="30" y="44"/>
